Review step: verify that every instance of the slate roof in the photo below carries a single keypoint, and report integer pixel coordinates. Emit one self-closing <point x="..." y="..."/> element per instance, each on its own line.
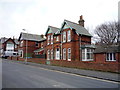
<point x="78" y="28"/>
<point x="53" y="29"/>
<point x="107" y="48"/>
<point x="32" y="37"/>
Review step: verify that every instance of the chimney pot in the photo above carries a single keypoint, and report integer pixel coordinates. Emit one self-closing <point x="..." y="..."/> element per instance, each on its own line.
<point x="81" y="17"/>
<point x="81" y="21"/>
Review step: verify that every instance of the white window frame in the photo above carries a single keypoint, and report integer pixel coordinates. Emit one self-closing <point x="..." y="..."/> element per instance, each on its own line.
<point x="69" y="36"/>
<point x="51" y="39"/>
<point x="64" y="54"/>
<point x="69" y="54"/>
<point x="48" y="54"/>
<point x="57" y="54"/>
<point x="109" y="56"/>
<point x="57" y="38"/>
<point x="85" y="54"/>
<point x="64" y="36"/>
<point x="51" y="54"/>
<point x="21" y="53"/>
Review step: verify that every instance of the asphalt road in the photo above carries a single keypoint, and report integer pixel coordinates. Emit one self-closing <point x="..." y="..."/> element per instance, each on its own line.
<point x="16" y="75"/>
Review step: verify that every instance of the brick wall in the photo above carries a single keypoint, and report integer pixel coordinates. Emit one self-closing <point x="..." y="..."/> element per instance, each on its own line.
<point x="111" y="67"/>
<point x="31" y="47"/>
<point x="93" y="65"/>
<point x="35" y="60"/>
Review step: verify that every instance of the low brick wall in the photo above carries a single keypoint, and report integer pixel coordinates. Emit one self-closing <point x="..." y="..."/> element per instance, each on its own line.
<point x="105" y="66"/>
<point x="111" y="67"/>
<point x="35" y="60"/>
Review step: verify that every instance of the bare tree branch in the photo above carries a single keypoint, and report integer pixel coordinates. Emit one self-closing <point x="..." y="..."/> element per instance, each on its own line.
<point x="109" y="33"/>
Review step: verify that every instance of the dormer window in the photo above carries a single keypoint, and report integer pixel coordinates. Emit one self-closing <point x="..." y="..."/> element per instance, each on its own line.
<point x="64" y="36"/>
<point x="69" y="36"/>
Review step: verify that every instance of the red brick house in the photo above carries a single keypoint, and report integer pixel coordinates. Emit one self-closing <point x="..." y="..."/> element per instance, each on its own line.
<point x="72" y="42"/>
<point x="31" y="41"/>
<point x="40" y="52"/>
<point x="52" y="40"/>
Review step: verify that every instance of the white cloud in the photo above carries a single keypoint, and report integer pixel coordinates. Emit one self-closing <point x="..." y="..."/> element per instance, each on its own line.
<point x="36" y="15"/>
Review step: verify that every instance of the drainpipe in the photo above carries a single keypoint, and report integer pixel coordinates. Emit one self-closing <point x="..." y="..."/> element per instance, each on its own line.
<point x="80" y="47"/>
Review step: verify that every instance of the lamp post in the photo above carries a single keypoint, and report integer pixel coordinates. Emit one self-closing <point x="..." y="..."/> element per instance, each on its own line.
<point x="26" y="45"/>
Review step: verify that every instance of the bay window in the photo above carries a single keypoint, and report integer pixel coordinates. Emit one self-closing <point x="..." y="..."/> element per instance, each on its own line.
<point x="87" y="54"/>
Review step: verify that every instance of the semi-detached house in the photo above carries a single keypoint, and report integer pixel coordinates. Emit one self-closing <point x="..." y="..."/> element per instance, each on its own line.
<point x="72" y="42"/>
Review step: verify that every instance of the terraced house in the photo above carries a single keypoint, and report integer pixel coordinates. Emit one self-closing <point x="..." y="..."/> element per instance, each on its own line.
<point x="72" y="42"/>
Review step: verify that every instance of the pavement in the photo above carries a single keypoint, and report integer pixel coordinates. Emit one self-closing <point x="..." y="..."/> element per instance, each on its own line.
<point x="89" y="73"/>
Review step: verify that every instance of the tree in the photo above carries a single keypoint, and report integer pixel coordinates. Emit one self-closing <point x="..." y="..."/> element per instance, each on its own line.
<point x="109" y="32"/>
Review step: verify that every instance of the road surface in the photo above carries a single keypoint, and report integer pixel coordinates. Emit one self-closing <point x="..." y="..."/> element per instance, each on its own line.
<point x="16" y="75"/>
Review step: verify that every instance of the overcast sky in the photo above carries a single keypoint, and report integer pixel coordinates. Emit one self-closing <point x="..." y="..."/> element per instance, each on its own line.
<point x="36" y="15"/>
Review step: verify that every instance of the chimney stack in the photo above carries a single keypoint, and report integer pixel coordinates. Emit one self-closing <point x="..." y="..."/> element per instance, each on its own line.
<point x="81" y="21"/>
<point x="42" y="35"/>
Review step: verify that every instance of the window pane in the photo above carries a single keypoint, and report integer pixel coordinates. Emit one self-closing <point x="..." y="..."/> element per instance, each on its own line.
<point x="107" y="56"/>
<point x="111" y="56"/>
<point x="64" y="36"/>
<point x="88" y="50"/>
<point x="69" y="36"/>
<point x="114" y="56"/>
<point x="69" y="53"/>
<point x="88" y="56"/>
<point x="83" y="55"/>
<point x="83" y="50"/>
